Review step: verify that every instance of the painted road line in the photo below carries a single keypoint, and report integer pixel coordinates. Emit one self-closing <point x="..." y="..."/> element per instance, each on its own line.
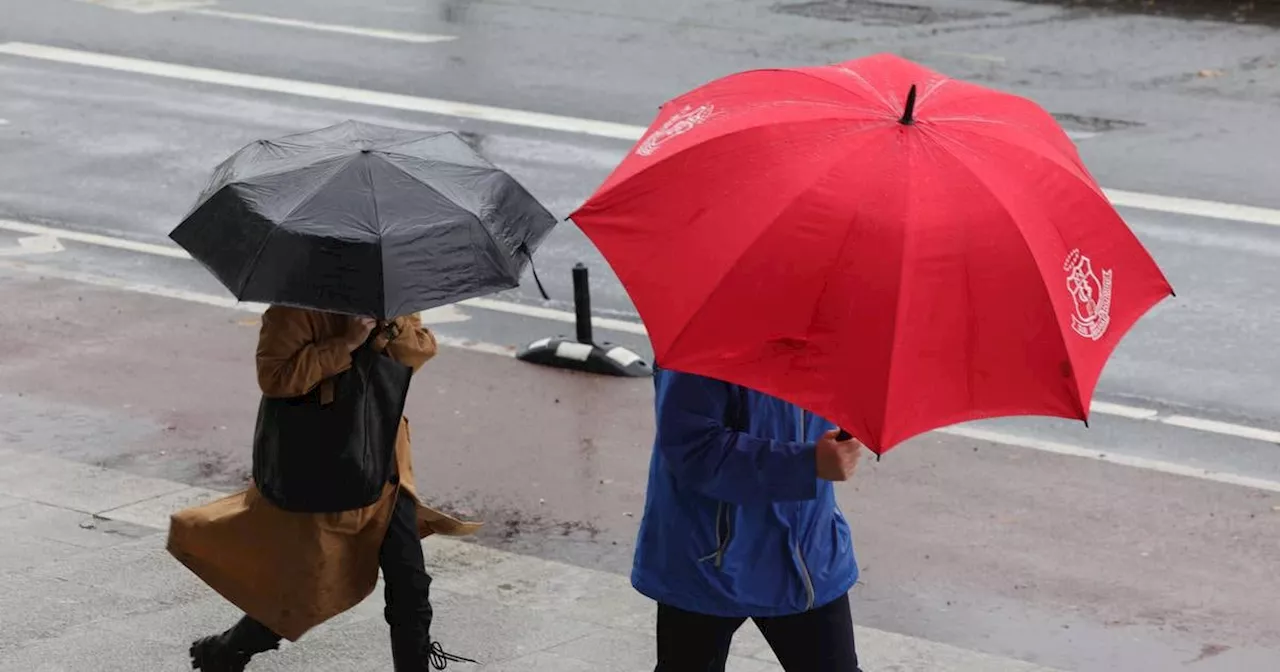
<point x="1171" y="468"/>
<point x="551" y="122"/>
<point x="29" y="245"/>
<point x="396" y="35"/>
<point x="1120" y="410"/>
<point x="343" y="94"/>
<point x="174" y="252"/>
<point x="1227" y="428"/>
<point x="1194" y="207"/>
<point x="551" y="314"/>
<point x="170" y="251"/>
<point x="150" y="6"/>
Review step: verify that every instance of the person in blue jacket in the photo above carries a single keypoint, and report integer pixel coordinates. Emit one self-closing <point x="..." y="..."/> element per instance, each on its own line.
<point x="741" y="521"/>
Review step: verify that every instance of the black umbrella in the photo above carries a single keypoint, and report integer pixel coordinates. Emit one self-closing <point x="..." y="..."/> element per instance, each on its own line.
<point x="363" y="220"/>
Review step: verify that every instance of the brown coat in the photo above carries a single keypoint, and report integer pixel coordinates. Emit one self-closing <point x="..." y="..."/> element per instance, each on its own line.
<point x="294" y="571"/>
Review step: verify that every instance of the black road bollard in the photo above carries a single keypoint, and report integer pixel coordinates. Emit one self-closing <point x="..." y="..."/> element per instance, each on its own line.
<point x="584" y="354"/>
<point x="582" y="304"/>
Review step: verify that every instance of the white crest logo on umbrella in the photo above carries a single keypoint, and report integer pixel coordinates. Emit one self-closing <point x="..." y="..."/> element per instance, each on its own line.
<point x="681" y="123"/>
<point x="1092" y="296"/>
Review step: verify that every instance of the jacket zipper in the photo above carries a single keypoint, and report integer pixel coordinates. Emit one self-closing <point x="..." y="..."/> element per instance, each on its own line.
<point x="808" y="580"/>
<point x="725" y="538"/>
<point x="724" y="534"/>
<point x="804" y="568"/>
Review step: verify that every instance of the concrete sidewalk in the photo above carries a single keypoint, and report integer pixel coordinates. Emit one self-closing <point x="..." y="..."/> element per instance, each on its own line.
<point x="85" y="584"/>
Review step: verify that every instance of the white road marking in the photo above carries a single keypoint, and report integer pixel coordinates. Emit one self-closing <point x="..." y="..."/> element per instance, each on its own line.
<point x="1132" y="412"/>
<point x="342" y="94"/>
<point x="551" y="122"/>
<point x="201" y="7"/>
<point x="622" y="326"/>
<point x="1194" y="207"/>
<point x="395" y="35"/>
<point x="444" y="315"/>
<point x="150" y="6"/>
<point x="174" y="252"/>
<point x="1227" y="428"/>
<point x="170" y="251"/>
<point x="29" y="245"/>
<point x="4" y="122"/>
<point x="616" y="325"/>
<point x="1172" y="468"/>
<point x="1160" y="466"/>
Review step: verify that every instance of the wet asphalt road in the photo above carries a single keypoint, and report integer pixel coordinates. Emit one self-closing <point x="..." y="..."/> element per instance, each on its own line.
<point x="1159" y="105"/>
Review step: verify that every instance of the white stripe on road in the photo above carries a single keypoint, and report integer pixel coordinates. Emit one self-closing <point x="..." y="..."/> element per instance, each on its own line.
<point x="396" y="35"/>
<point x="552" y="122"/>
<point x="1171" y="468"/>
<point x="1227" y="428"/>
<point x="1194" y="208"/>
<point x="174" y="252"/>
<point x="616" y="325"/>
<point x="1120" y="410"/>
<point x="343" y="94"/>
<point x="150" y="6"/>
<point x="170" y="251"/>
<point x="621" y="326"/>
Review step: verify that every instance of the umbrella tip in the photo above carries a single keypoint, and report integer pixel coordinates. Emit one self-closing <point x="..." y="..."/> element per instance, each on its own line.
<point x="909" y="115"/>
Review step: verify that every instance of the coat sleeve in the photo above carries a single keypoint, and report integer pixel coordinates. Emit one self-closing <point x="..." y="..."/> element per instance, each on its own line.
<point x="291" y="360"/>
<point x="414" y="345"/>
<point x="719" y="462"/>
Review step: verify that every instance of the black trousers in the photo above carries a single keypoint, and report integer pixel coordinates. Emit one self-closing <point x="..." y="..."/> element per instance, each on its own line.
<point x="407" y="592"/>
<point x="819" y="640"/>
<point x="408" y="586"/>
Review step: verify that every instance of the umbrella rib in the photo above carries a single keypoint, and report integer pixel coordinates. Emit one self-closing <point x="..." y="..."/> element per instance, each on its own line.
<point x="731" y="134"/>
<point x="276" y="226"/>
<point x="479" y="220"/>
<point x="377" y="223"/>
<point x="1054" y="157"/>
<point x="844" y="156"/>
<point x="1062" y="337"/>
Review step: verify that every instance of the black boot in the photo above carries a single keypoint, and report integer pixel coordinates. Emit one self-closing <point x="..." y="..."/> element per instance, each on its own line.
<point x="413" y="651"/>
<point x="231" y="650"/>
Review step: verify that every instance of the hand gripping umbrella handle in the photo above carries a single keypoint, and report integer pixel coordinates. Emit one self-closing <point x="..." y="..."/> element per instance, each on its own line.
<point x="845" y="436"/>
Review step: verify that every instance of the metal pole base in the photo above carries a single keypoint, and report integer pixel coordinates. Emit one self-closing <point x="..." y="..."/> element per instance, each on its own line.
<point x="566" y="353"/>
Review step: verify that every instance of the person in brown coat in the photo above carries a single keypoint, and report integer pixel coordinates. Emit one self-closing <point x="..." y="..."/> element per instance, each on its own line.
<point x="292" y="571"/>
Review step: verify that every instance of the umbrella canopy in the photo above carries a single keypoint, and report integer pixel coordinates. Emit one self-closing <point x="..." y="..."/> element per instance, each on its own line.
<point x="890" y="248"/>
<point x="363" y="220"/>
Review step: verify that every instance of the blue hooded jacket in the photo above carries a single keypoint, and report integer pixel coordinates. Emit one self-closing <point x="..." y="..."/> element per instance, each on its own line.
<point x="736" y="522"/>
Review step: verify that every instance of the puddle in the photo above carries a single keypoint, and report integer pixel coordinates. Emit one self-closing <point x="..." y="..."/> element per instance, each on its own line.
<point x="1266" y="12"/>
<point x="873" y="13"/>
<point x="1085" y="126"/>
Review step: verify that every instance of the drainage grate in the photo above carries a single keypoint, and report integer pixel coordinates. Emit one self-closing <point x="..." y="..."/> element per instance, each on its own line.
<point x="872" y="12"/>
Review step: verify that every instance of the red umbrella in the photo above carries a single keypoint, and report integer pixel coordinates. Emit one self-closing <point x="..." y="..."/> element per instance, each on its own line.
<point x="893" y="262"/>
